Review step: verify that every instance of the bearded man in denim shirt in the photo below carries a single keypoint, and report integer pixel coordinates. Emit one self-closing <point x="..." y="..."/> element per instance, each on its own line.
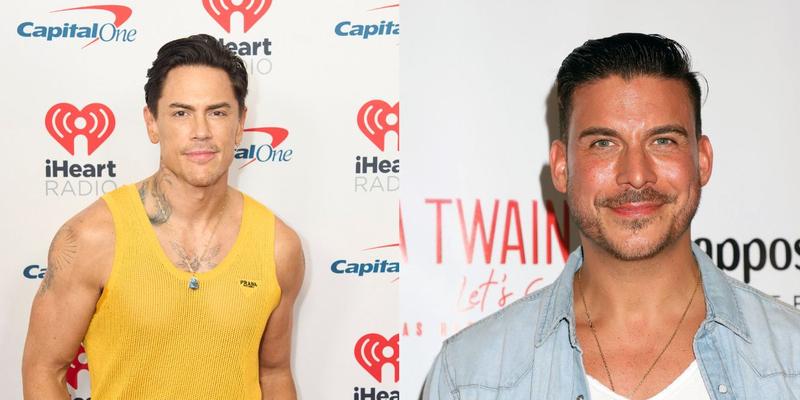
<point x="639" y="311"/>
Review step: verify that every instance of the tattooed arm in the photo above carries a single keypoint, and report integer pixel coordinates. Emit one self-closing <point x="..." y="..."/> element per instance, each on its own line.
<point x="79" y="261"/>
<point x="276" y="345"/>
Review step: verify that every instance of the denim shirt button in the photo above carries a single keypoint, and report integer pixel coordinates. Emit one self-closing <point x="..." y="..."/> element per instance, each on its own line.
<point x="722" y="388"/>
<point x="580" y="397"/>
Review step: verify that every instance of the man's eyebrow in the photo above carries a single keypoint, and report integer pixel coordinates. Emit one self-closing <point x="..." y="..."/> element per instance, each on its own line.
<point x="181" y="105"/>
<point x="669" y="128"/>
<point x="600" y="131"/>
<point x="597" y="131"/>
<point x="224" y="104"/>
<point x="215" y="106"/>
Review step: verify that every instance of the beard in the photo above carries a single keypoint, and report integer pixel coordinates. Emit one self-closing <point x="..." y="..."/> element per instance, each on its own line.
<point x="595" y="229"/>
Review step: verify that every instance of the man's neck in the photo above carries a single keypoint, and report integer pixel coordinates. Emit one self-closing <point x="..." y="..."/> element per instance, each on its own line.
<point x="635" y="291"/>
<point x="172" y="200"/>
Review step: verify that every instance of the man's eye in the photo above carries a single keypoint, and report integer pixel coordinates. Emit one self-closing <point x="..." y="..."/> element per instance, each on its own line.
<point x="664" y="141"/>
<point x="179" y="113"/>
<point x="602" y="143"/>
<point x="219" y="113"/>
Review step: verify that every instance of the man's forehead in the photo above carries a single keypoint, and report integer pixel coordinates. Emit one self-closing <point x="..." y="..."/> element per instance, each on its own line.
<point x="194" y="80"/>
<point x="635" y="102"/>
<point x="633" y="85"/>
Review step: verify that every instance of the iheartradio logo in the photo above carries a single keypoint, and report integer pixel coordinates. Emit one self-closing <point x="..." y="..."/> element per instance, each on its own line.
<point x="376" y="118"/>
<point x="95" y="122"/>
<point x="373" y="351"/>
<point x="251" y="10"/>
<point x="76" y="366"/>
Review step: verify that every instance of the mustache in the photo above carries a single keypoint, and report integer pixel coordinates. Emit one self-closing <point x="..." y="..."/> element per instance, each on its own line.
<point x="648" y="195"/>
<point x="215" y="149"/>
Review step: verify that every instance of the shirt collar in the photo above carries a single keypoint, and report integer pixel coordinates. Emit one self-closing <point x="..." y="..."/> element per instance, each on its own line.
<point x="721" y="304"/>
<point x="559" y="302"/>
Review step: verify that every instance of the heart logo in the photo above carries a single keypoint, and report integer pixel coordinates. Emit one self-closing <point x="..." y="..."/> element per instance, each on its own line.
<point x="371" y="354"/>
<point x="95" y="122"/>
<point x="74" y="367"/>
<point x="251" y="10"/>
<point x="376" y="118"/>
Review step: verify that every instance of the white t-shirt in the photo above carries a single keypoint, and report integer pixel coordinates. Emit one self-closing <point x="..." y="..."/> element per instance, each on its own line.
<point x="689" y="385"/>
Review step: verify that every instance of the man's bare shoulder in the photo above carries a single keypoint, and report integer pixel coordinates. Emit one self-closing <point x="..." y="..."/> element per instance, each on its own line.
<point x="93" y="227"/>
<point x="289" y="261"/>
<point x="83" y="248"/>
<point x="286" y="238"/>
<point x="94" y="223"/>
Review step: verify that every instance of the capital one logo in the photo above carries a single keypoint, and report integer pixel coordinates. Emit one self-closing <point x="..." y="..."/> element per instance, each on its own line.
<point x="278" y="135"/>
<point x="107" y="32"/>
<point x="265" y="152"/>
<point x="222" y="10"/>
<point x="373" y="351"/>
<point x="376" y="118"/>
<point x="95" y="122"/>
<point x="74" y="367"/>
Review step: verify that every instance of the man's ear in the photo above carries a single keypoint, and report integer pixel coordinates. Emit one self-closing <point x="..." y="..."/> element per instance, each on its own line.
<point x="705" y="159"/>
<point x="558" y="165"/>
<point x="150" y="123"/>
<point x="240" y="130"/>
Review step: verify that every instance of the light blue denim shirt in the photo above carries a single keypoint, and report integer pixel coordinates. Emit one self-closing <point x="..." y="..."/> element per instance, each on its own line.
<point x="748" y="347"/>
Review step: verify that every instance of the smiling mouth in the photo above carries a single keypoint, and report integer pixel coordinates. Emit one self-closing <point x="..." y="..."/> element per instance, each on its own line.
<point x="636" y="210"/>
<point x="200" y="156"/>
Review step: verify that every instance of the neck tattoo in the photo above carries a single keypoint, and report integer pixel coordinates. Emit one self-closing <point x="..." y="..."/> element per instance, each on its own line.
<point x="193" y="262"/>
<point x="600" y="349"/>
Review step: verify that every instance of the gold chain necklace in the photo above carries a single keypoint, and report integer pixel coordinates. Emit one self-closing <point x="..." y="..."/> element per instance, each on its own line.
<point x="603" y="357"/>
<point x="194" y="265"/>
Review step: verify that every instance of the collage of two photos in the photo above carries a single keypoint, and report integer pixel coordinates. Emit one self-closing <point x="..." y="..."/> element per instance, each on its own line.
<point x="595" y="201"/>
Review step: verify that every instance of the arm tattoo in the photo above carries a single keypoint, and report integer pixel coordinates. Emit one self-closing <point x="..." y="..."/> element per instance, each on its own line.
<point x="162" y="205"/>
<point x="61" y="254"/>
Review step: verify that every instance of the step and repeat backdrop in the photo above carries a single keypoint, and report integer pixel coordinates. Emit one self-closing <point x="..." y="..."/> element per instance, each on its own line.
<point x="321" y="148"/>
<point x="483" y="224"/>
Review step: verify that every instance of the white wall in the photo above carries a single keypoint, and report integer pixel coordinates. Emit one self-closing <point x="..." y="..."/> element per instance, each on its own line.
<point x="476" y="77"/>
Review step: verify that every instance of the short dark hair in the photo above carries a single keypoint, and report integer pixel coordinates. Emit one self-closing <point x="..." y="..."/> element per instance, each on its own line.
<point x="194" y="50"/>
<point x="627" y="55"/>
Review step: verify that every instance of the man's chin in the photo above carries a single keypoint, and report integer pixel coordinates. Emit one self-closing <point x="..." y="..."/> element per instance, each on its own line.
<point x="633" y="248"/>
<point x="203" y="181"/>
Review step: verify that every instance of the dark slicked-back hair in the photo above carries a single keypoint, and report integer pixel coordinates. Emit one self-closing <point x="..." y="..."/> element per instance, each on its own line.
<point x="194" y="50"/>
<point x="627" y="55"/>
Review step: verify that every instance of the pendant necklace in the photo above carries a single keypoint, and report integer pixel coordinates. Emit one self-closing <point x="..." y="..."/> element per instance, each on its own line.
<point x="600" y="349"/>
<point x="194" y="265"/>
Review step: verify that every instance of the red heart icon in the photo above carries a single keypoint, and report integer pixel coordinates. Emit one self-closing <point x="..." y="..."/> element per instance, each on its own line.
<point x="74" y="367"/>
<point x="251" y="10"/>
<point x="373" y="120"/>
<point x="369" y="352"/>
<point x="95" y="122"/>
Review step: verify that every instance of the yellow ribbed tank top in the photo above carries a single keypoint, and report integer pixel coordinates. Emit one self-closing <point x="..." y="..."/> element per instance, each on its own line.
<point x="152" y="337"/>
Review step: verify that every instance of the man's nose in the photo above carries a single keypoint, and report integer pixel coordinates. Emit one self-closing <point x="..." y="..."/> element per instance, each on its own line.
<point x="201" y="129"/>
<point x="635" y="168"/>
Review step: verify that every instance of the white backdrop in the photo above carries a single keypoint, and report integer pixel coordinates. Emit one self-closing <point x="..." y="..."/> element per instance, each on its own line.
<point x="476" y="83"/>
<point x="318" y="72"/>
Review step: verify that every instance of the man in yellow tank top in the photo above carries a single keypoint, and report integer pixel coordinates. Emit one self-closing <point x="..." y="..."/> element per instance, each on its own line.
<point x="180" y="287"/>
